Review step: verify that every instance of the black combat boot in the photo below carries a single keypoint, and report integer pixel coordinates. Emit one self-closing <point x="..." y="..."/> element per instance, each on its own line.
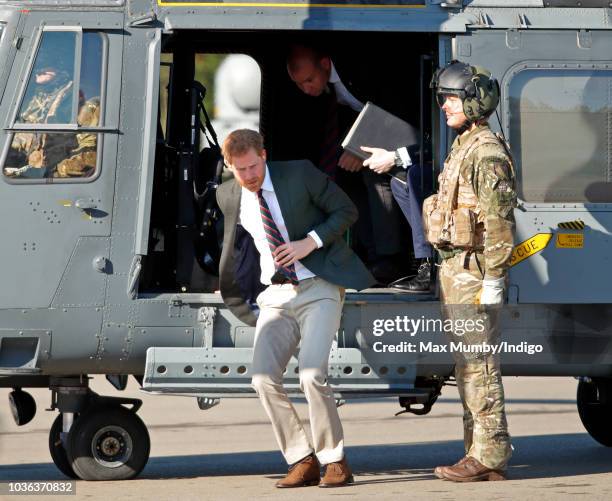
<point x="417" y="284"/>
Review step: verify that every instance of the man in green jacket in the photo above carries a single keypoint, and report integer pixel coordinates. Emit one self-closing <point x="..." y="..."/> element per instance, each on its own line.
<point x="296" y="216"/>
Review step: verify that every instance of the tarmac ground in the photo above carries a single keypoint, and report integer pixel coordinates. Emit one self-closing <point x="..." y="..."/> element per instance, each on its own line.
<point x="229" y="452"/>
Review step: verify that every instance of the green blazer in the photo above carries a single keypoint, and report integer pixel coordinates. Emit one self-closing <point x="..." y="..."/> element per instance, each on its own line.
<point x="308" y="201"/>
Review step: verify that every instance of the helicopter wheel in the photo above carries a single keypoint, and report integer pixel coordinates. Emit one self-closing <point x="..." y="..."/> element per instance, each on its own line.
<point x="56" y="448"/>
<point x="108" y="443"/>
<point x="594" y="400"/>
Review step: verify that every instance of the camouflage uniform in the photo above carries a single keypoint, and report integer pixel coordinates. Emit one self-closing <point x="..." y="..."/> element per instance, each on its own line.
<point x="486" y="177"/>
<point x="82" y="160"/>
<point x="42" y="151"/>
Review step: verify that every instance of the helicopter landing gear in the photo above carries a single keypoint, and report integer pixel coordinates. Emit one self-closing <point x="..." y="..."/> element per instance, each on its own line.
<point x="96" y="437"/>
<point x="594" y="400"/>
<point x="57" y="447"/>
<point x="108" y="443"/>
<point x="22" y="405"/>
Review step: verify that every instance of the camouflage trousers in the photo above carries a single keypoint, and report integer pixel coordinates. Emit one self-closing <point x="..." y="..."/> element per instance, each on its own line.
<point x="478" y="374"/>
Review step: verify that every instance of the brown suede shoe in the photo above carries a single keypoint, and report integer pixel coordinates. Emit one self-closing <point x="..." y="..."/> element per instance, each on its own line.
<point x="471" y="470"/>
<point x="439" y="470"/>
<point x="337" y="474"/>
<point x="302" y="474"/>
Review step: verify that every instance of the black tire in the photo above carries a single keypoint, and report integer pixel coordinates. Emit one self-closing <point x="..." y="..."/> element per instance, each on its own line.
<point x="109" y="443"/>
<point x="23" y="406"/>
<point x="595" y="409"/>
<point x="58" y="453"/>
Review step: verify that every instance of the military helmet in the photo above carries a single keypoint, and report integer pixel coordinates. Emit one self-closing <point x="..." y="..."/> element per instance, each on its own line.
<point x="89" y="113"/>
<point x="474" y="85"/>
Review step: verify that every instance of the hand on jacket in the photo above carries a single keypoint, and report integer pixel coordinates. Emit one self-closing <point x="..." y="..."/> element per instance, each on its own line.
<point x="287" y="254"/>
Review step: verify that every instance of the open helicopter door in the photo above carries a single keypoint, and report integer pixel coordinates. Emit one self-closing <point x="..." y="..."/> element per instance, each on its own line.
<point x="58" y="146"/>
<point x="555" y="113"/>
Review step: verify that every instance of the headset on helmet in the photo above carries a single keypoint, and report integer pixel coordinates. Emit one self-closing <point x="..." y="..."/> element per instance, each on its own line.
<point x="474" y="85"/>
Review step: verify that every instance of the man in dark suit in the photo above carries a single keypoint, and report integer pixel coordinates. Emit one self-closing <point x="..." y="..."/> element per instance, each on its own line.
<point x="296" y="216"/>
<point x="410" y="184"/>
<point x="336" y="107"/>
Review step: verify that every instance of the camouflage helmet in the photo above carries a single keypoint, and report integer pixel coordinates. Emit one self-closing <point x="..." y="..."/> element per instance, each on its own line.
<point x="474" y="85"/>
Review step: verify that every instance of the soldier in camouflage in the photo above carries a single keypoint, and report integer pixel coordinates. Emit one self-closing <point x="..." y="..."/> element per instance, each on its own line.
<point x="82" y="160"/>
<point x="470" y="222"/>
<point x="36" y="154"/>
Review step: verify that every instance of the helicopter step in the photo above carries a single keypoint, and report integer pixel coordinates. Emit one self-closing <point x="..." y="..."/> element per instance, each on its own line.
<point x="207" y="372"/>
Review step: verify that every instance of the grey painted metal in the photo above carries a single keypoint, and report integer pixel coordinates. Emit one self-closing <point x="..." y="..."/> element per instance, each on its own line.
<point x="574" y="341"/>
<point x="416" y="20"/>
<point x="24" y="348"/>
<point x="504" y="3"/>
<point x="45" y="244"/>
<point x="217" y="371"/>
<point x="555" y="275"/>
<point x="12" y="24"/>
<point x="533" y="18"/>
<point x="148" y="155"/>
<point x="62" y="4"/>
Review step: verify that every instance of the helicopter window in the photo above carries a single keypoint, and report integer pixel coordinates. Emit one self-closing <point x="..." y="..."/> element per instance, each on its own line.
<point x="235" y="90"/>
<point x="65" y="61"/>
<point x="49" y="96"/>
<point x="568" y="110"/>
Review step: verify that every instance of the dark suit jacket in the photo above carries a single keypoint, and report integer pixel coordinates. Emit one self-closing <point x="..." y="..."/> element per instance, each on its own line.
<point x="302" y="116"/>
<point x="308" y="201"/>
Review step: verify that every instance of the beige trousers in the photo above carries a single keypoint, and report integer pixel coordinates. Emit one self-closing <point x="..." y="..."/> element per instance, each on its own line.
<point x="309" y="315"/>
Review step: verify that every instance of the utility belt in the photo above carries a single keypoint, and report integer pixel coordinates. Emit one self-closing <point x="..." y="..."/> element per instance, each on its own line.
<point x="450" y="252"/>
<point x="455" y="228"/>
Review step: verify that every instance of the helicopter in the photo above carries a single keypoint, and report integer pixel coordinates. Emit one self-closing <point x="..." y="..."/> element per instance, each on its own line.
<point x="110" y="251"/>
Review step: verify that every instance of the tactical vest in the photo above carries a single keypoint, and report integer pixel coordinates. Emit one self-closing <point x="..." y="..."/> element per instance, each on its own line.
<point x="452" y="218"/>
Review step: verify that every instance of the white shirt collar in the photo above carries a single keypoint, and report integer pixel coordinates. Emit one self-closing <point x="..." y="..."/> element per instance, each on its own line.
<point x="333" y="74"/>
<point x="267" y="182"/>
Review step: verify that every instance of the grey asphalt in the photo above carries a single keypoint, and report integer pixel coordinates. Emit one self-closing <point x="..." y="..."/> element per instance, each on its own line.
<point x="228" y="452"/>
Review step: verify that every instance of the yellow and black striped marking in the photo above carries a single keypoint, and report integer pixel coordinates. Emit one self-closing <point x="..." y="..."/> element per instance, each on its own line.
<point x="578" y="224"/>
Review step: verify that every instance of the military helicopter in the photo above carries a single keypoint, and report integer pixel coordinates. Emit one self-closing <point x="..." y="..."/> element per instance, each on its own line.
<point x="109" y="166"/>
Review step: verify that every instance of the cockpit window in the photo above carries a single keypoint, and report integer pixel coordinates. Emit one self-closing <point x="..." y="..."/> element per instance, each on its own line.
<point x="64" y="88"/>
<point x="49" y="97"/>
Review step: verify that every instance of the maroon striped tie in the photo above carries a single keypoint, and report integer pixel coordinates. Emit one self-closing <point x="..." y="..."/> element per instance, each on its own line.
<point x="274" y="237"/>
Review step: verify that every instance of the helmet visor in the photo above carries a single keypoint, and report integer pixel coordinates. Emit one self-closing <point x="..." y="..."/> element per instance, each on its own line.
<point x="443" y="94"/>
<point x="441" y="98"/>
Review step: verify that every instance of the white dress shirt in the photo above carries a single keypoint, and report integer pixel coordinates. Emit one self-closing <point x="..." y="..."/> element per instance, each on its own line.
<point x="250" y="219"/>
